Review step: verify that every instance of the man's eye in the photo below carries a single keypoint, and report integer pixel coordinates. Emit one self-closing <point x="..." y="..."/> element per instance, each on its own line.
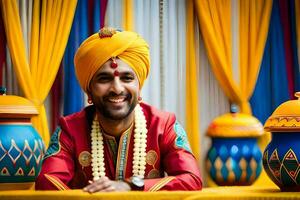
<point x="127" y="78"/>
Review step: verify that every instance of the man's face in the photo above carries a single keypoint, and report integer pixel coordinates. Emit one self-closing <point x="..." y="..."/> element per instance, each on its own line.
<point x="115" y="96"/>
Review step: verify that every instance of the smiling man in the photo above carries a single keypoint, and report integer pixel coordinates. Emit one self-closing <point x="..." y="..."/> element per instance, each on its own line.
<point x="118" y="143"/>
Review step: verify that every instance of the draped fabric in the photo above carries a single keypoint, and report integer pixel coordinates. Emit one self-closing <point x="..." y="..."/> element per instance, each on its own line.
<point x="88" y="19"/>
<point x="2" y="49"/>
<point x="128" y="23"/>
<point x="254" y="16"/>
<point x="146" y="23"/>
<point x="273" y="86"/>
<point x="49" y="33"/>
<point x="215" y="25"/>
<point x="192" y="115"/>
<point x="287" y="16"/>
<point x="73" y="95"/>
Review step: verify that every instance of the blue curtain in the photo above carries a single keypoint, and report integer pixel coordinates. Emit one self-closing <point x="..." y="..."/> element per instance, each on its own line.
<point x="73" y="95"/>
<point x="85" y="23"/>
<point x="272" y="85"/>
<point x="294" y="46"/>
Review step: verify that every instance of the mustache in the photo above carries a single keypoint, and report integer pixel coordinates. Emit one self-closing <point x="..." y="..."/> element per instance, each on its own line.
<point x="113" y="94"/>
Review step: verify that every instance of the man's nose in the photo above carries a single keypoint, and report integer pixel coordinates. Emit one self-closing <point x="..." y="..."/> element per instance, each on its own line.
<point x="117" y="86"/>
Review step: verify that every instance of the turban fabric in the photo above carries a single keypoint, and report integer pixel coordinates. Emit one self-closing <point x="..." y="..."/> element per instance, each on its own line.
<point x="96" y="50"/>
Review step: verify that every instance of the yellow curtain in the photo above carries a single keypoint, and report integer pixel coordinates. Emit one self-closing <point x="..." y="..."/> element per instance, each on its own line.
<point x="191" y="106"/>
<point x="51" y="24"/>
<point x="128" y="15"/>
<point x="254" y="18"/>
<point x="215" y="25"/>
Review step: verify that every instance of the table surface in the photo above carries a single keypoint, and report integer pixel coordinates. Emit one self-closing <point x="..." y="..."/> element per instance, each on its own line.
<point x="236" y="192"/>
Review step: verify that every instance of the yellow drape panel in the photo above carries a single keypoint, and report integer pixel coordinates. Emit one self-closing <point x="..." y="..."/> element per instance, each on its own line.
<point x="192" y="116"/>
<point x="215" y="25"/>
<point x="51" y="24"/>
<point x="254" y="18"/>
<point x="128" y="23"/>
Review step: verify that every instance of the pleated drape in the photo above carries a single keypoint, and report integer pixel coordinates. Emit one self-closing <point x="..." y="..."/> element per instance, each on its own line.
<point x="128" y="23"/>
<point x="254" y="16"/>
<point x="192" y="114"/>
<point x="215" y="25"/>
<point x="51" y="23"/>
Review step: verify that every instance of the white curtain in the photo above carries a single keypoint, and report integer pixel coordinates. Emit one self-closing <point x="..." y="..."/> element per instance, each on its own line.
<point x="114" y="11"/>
<point x="165" y="86"/>
<point x="146" y="16"/>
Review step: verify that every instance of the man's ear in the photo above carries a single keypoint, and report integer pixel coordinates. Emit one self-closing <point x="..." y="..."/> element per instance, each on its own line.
<point x="89" y="100"/>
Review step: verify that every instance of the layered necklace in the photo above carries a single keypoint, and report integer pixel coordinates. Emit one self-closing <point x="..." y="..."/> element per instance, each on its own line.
<point x="139" y="148"/>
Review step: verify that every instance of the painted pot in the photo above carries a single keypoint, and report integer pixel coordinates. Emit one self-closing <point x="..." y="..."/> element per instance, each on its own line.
<point x="234" y="157"/>
<point x="281" y="156"/>
<point x="21" y="147"/>
<point x="234" y="161"/>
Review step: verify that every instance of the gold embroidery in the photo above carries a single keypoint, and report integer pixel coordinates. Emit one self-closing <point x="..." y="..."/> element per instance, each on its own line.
<point x="56" y="182"/>
<point x="161" y="183"/>
<point x="85" y="158"/>
<point x="154" y="173"/>
<point x="151" y="157"/>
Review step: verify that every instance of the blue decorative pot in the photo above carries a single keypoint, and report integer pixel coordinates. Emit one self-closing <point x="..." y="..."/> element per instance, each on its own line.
<point x="21" y="152"/>
<point x="234" y="157"/>
<point x="234" y="161"/>
<point x="281" y="156"/>
<point x="281" y="160"/>
<point x="21" y="147"/>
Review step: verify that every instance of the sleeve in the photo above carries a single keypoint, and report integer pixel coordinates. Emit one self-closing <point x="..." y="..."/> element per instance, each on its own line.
<point x="177" y="160"/>
<point x="58" y="164"/>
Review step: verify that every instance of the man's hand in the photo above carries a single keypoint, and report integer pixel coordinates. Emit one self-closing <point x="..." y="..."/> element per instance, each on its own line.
<point x="106" y="185"/>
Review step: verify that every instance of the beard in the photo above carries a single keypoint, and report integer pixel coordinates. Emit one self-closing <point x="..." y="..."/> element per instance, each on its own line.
<point x="115" y="113"/>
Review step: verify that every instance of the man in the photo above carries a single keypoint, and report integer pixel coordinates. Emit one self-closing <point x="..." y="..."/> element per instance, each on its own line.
<point x="118" y="143"/>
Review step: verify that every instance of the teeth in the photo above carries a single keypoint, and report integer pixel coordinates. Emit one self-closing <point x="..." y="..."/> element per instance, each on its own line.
<point x="118" y="100"/>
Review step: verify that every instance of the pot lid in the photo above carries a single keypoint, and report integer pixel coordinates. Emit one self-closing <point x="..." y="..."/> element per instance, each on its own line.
<point x="235" y="124"/>
<point x="15" y="107"/>
<point x="286" y="117"/>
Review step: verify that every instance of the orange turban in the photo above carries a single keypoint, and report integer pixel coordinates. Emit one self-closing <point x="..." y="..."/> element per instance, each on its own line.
<point x="108" y="43"/>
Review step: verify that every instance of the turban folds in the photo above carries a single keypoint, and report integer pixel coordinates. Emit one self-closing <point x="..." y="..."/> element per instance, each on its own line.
<point x="96" y="50"/>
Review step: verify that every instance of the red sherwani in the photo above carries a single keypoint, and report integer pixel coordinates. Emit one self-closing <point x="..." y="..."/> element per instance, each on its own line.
<point x="67" y="161"/>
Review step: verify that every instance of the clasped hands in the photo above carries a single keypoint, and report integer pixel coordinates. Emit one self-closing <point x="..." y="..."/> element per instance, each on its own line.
<point x="104" y="184"/>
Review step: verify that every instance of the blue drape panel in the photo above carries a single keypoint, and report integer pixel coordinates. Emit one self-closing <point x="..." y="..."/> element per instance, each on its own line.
<point x="272" y="85"/>
<point x="81" y="29"/>
<point x="73" y="95"/>
<point x="294" y="45"/>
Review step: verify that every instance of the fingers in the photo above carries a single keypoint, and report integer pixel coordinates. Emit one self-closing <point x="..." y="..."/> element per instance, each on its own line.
<point x="100" y="185"/>
<point x="106" y="185"/>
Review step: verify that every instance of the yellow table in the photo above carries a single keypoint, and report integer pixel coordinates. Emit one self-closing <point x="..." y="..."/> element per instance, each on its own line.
<point x="207" y="193"/>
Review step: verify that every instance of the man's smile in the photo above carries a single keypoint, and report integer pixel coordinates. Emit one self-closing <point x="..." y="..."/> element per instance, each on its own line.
<point x="117" y="99"/>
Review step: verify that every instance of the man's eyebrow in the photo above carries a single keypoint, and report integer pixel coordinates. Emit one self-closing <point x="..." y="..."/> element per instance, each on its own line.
<point x="127" y="73"/>
<point x="104" y="74"/>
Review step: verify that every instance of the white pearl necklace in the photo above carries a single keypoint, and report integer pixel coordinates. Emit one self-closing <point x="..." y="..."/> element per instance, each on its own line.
<point x="139" y="148"/>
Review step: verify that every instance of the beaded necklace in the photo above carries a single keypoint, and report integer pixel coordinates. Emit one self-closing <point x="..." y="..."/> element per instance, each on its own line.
<point x="139" y="148"/>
